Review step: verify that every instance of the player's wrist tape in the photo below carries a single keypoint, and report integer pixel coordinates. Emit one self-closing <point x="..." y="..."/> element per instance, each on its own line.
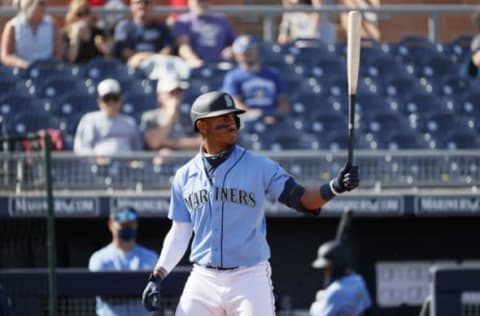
<point x="160" y="272"/>
<point x="327" y="192"/>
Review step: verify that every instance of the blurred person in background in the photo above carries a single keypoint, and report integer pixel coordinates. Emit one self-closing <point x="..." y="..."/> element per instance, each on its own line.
<point x="202" y="36"/>
<point x="370" y="28"/>
<point x="107" y="131"/>
<point x="474" y="58"/>
<point x="122" y="253"/>
<point x="82" y="40"/>
<point x="142" y="36"/>
<point x="108" y="21"/>
<point x="258" y="89"/>
<point x="162" y="127"/>
<point x="345" y="292"/>
<point x="29" y="36"/>
<point x="306" y="25"/>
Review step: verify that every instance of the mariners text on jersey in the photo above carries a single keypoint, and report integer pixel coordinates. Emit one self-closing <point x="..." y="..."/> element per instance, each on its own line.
<point x="233" y="195"/>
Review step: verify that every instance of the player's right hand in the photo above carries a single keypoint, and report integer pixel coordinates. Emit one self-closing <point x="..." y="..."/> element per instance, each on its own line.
<point x="151" y="293"/>
<point x="348" y="178"/>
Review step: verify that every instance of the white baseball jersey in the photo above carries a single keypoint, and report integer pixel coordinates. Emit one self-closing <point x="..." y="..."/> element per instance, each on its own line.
<point x="227" y="210"/>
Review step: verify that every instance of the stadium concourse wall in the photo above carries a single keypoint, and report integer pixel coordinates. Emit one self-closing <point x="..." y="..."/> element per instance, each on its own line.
<point x="396" y="237"/>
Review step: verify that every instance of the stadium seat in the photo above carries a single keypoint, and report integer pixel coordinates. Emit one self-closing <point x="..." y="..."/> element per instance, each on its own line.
<point x="136" y="104"/>
<point x="385" y="68"/>
<point x="459" y="48"/>
<point x="13" y="103"/>
<point x="402" y="87"/>
<point x="306" y="104"/>
<point x="57" y="86"/>
<point x="30" y="122"/>
<point x="423" y="105"/>
<point x="101" y="68"/>
<point x="74" y="103"/>
<point x="454" y="86"/>
<point x="415" y="48"/>
<point x="462" y="139"/>
<point x="405" y="139"/>
<point x="44" y="68"/>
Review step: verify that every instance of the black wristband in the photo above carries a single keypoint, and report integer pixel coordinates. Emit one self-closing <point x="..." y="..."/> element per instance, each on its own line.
<point x="326" y="192"/>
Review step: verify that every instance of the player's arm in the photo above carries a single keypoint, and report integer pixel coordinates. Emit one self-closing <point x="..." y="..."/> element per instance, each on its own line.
<point x="311" y="199"/>
<point x="174" y="247"/>
<point x="185" y="51"/>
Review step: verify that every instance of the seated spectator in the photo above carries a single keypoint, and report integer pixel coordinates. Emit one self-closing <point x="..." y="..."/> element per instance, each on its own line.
<point x="82" y="40"/>
<point x="162" y="128"/>
<point x="107" y="131"/>
<point x="122" y="253"/>
<point x="370" y="28"/>
<point x="256" y="88"/>
<point x="142" y="36"/>
<point x="29" y="36"/>
<point x="474" y="63"/>
<point x="109" y="20"/>
<point x="306" y="25"/>
<point x="202" y="36"/>
<point x="175" y="4"/>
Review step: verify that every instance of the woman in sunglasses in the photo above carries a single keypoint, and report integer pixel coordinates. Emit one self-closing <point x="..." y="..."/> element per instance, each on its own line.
<point x="29" y="36"/>
<point x="82" y="40"/>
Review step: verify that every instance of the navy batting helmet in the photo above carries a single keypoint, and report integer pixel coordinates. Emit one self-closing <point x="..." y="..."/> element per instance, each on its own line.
<point x="332" y="252"/>
<point x="212" y="104"/>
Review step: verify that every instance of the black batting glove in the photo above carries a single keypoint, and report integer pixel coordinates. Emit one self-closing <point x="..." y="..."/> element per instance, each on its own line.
<point x="151" y="293"/>
<point x="347" y="179"/>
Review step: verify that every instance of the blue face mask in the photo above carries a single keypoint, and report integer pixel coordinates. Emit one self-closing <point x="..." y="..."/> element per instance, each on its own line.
<point x="127" y="234"/>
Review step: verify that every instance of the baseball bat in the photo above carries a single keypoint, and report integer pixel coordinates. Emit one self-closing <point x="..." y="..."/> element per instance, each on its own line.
<point x="343" y="228"/>
<point x="353" y="63"/>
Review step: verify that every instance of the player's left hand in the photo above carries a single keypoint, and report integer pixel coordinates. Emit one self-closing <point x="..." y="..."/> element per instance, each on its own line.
<point x="151" y="293"/>
<point x="347" y="179"/>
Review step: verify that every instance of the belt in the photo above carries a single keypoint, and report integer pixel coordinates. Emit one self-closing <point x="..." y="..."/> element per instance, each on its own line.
<point x="220" y="268"/>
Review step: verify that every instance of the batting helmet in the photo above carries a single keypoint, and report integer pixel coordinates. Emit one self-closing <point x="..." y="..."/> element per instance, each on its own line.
<point x="212" y="104"/>
<point x="332" y="252"/>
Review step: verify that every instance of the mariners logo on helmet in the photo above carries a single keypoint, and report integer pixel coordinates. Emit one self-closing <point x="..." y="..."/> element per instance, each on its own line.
<point x="212" y="104"/>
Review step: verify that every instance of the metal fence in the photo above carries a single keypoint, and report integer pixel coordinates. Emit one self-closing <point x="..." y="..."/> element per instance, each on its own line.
<point x="147" y="171"/>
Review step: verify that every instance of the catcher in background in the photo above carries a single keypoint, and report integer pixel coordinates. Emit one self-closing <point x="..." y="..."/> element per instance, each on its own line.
<point x="345" y="292"/>
<point x="219" y="196"/>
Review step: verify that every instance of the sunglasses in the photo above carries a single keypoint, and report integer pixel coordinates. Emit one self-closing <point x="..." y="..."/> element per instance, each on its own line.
<point x="144" y="2"/>
<point x="125" y="215"/>
<point x="83" y="12"/>
<point x="111" y="98"/>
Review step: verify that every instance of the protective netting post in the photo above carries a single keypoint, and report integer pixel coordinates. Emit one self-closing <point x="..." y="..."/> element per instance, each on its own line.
<point x="51" y="247"/>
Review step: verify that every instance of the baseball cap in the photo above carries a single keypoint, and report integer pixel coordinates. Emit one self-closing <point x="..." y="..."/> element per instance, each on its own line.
<point x="108" y="86"/>
<point x="123" y="214"/>
<point x="242" y="43"/>
<point x="169" y="83"/>
<point x="332" y="252"/>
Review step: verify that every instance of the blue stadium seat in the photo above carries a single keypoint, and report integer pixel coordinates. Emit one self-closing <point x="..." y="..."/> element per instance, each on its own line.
<point x="74" y="103"/>
<point x="385" y="68"/>
<point x="31" y="122"/>
<point x="462" y="139"/>
<point x="13" y="103"/>
<point x="56" y="86"/>
<point x="469" y="106"/>
<point x="415" y="48"/>
<point x="306" y="104"/>
<point x="405" y="139"/>
<point x="101" y="68"/>
<point x="454" y="86"/>
<point x="423" y="105"/>
<point x="42" y="69"/>
<point x="459" y="48"/>
<point x="402" y="87"/>
<point x="136" y="104"/>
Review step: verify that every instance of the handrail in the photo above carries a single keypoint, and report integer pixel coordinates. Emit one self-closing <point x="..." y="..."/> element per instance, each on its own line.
<point x="269" y="12"/>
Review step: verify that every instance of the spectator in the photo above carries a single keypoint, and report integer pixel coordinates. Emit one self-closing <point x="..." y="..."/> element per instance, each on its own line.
<point x="306" y="25"/>
<point x="175" y="4"/>
<point x="29" y="36"/>
<point x="109" y="21"/>
<point x="107" y="131"/>
<point x="202" y="36"/>
<point x="162" y="127"/>
<point x="82" y="40"/>
<point x="474" y="62"/>
<point x="142" y="36"/>
<point x="256" y="88"/>
<point x="345" y="292"/>
<point x="369" y="21"/>
<point x="122" y="253"/>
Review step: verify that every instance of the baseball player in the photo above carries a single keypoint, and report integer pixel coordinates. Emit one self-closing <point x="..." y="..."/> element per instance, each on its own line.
<point x="220" y="196"/>
<point x="345" y="292"/>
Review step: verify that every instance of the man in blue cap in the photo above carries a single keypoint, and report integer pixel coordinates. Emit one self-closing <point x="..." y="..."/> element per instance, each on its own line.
<point x="122" y="253"/>
<point x="259" y="89"/>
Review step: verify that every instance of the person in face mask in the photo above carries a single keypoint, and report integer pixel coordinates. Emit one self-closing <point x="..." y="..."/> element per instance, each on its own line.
<point x="122" y="253"/>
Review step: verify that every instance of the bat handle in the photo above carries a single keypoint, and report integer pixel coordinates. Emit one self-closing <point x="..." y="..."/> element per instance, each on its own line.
<point x="351" y="128"/>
